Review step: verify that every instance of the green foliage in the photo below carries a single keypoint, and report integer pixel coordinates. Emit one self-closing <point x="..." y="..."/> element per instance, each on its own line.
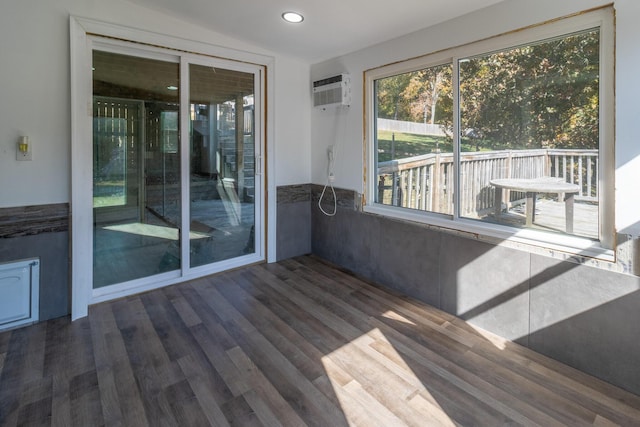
<point x="542" y="95"/>
<point x="429" y="94"/>
<point x="422" y="96"/>
<point x="392" y="104"/>
<point x="532" y="96"/>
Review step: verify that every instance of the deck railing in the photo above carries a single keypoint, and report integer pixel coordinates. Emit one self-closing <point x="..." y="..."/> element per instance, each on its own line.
<point x="426" y="182"/>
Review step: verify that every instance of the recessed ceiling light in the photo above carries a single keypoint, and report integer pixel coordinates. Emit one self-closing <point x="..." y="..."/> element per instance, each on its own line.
<point x="293" y="17"/>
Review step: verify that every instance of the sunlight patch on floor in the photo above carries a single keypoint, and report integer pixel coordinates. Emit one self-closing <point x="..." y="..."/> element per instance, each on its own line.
<point x="497" y="341"/>
<point x="397" y="317"/>
<point x="149" y="230"/>
<point x="357" y="386"/>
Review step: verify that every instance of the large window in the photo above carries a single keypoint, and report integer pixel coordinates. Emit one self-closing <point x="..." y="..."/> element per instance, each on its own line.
<point x="510" y="136"/>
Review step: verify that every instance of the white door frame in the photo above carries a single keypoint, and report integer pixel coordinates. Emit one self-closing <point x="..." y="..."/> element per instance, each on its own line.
<point x="83" y="33"/>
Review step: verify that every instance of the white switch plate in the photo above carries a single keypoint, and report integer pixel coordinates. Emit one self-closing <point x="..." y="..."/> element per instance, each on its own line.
<point x="20" y="156"/>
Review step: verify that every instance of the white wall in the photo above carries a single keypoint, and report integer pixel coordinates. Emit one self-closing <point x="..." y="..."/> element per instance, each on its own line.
<point x="293" y="122"/>
<point x="35" y="93"/>
<point x="497" y="19"/>
<point x="627" y="117"/>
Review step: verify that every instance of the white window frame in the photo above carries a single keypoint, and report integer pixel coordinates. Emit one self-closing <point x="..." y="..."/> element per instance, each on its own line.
<point x="604" y="248"/>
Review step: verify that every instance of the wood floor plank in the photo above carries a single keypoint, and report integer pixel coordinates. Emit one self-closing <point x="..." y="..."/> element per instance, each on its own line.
<point x="384" y="416"/>
<point x="434" y="414"/>
<point x="313" y="332"/>
<point x="360" y="319"/>
<point x="434" y="368"/>
<point x="352" y="356"/>
<point x="261" y="409"/>
<point x="170" y="330"/>
<point x="238" y="410"/>
<point x="214" y="341"/>
<point x="12" y="379"/>
<point x="536" y="394"/>
<point x="109" y="399"/>
<point x="402" y="304"/>
<point x="239" y="373"/>
<point x="309" y="401"/>
<point x="225" y="381"/>
<point x="37" y="390"/>
<point x="69" y="360"/>
<point x="85" y="402"/>
<point x="296" y="343"/>
<point x="203" y="392"/>
<point x="296" y="326"/>
<point x="365" y="306"/>
<point x="5" y="338"/>
<point x="185" y="407"/>
<point x="265" y="390"/>
<point x="148" y="359"/>
<point x="568" y="382"/>
<point x="275" y="323"/>
<point x="35" y="352"/>
<point x="372" y="300"/>
<point x="119" y="394"/>
<point x="186" y="312"/>
<point x="321" y="313"/>
<point x="2" y="359"/>
<point x="60" y="402"/>
<point x="369" y="377"/>
<point x="277" y="331"/>
<point x="335" y="382"/>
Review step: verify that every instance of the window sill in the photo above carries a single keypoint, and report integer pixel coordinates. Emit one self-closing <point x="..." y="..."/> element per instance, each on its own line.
<point x="558" y="246"/>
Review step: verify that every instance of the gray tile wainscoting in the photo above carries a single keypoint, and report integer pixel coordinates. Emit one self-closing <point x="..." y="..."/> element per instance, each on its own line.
<point x="293" y="227"/>
<point x="587" y="318"/>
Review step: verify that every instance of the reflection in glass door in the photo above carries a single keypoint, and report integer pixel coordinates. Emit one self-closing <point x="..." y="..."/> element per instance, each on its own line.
<point x="222" y="196"/>
<point x="163" y="163"/>
<point x="136" y="168"/>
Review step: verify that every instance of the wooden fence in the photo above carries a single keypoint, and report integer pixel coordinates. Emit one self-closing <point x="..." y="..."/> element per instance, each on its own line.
<point x="426" y="182"/>
<point x="410" y="127"/>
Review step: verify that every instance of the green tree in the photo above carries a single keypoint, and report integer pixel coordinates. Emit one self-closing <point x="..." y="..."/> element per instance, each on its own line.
<point x="539" y="95"/>
<point x="542" y="95"/>
<point x="392" y="104"/>
<point x="425" y="90"/>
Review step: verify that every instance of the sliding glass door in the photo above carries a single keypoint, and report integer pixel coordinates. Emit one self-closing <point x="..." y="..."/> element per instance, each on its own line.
<point x="222" y="178"/>
<point x="175" y="188"/>
<point x="136" y="167"/>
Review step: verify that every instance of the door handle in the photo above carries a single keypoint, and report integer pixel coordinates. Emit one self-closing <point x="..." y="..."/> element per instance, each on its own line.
<point x="258" y="165"/>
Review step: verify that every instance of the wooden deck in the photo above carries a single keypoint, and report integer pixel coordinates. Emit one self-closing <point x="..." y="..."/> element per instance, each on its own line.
<point x="294" y="343"/>
<point x="550" y="216"/>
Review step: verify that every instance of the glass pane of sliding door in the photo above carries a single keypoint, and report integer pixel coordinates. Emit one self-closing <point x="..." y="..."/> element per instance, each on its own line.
<point x="222" y="175"/>
<point x="136" y="167"/>
<point x="172" y="152"/>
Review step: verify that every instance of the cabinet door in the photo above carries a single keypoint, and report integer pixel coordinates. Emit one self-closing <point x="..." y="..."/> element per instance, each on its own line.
<point x="15" y="292"/>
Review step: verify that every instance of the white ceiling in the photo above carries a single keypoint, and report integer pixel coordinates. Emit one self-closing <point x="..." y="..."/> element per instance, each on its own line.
<point x="331" y="27"/>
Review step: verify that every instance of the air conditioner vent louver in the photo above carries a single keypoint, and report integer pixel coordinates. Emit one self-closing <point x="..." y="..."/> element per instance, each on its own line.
<point x="331" y="91"/>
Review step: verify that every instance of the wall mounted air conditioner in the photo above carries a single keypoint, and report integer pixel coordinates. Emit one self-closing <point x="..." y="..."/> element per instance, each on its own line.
<point x="332" y="91"/>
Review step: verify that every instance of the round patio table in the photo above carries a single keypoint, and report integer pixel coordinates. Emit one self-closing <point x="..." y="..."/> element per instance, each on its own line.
<point x="532" y="187"/>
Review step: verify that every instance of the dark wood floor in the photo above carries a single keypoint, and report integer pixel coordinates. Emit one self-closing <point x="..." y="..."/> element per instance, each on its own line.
<point x="293" y="343"/>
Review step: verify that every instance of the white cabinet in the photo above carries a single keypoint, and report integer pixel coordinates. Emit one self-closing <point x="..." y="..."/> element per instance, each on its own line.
<point x="19" y="292"/>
